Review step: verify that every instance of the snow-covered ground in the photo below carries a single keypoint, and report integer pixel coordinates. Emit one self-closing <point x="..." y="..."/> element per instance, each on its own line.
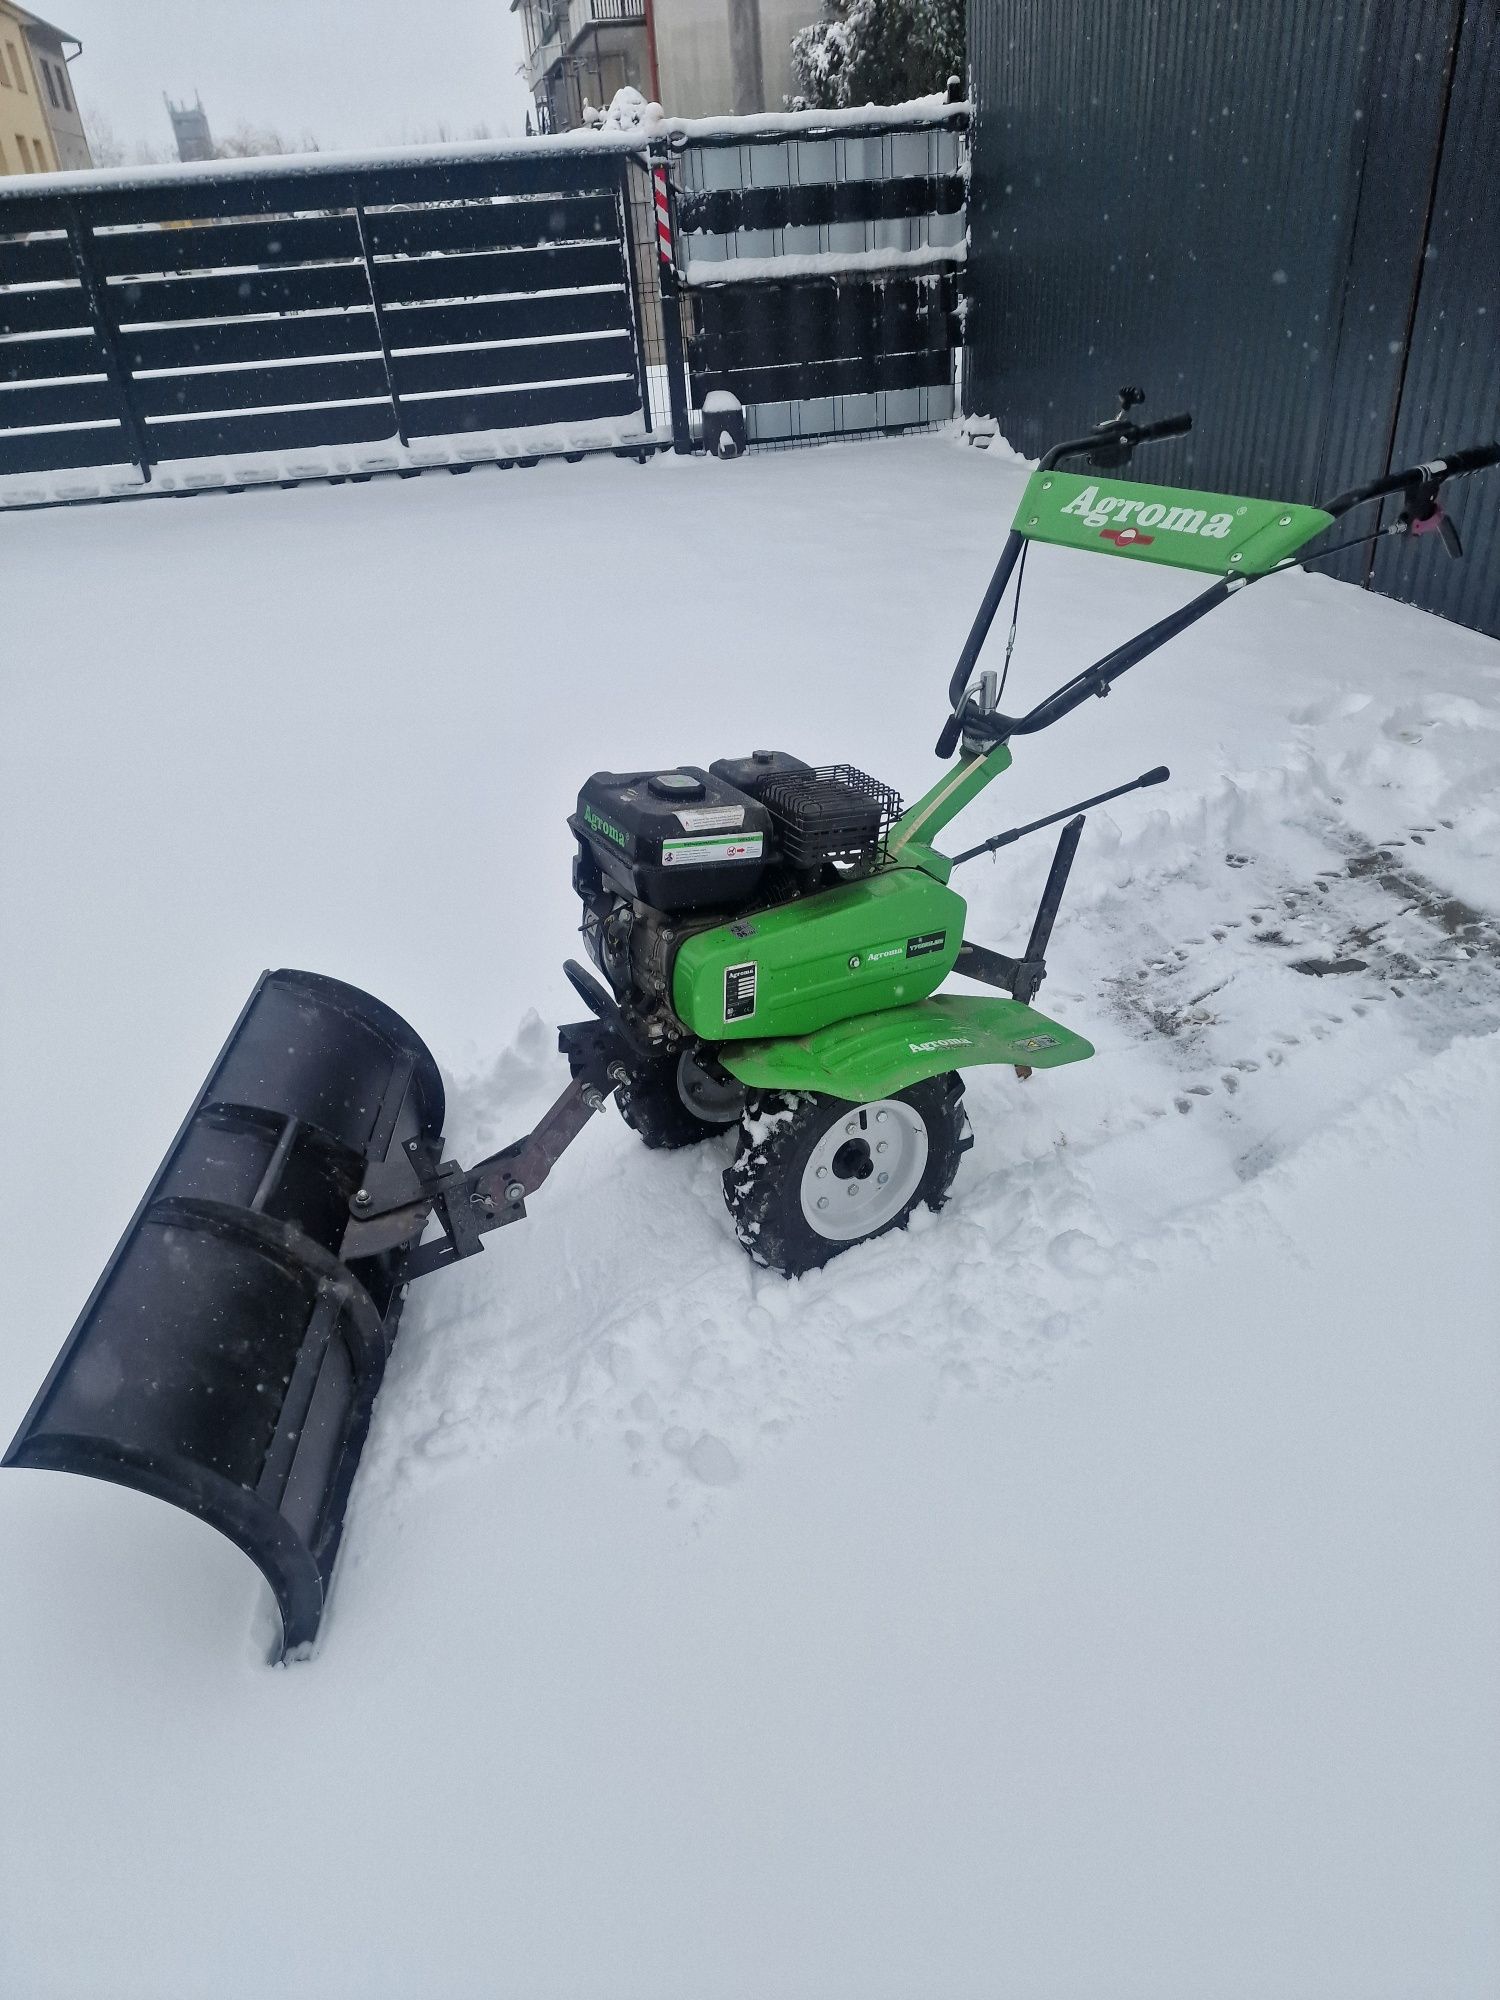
<point x="1093" y="1593"/>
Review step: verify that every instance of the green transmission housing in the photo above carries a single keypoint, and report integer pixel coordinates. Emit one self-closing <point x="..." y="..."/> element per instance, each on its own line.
<point x="884" y="941"/>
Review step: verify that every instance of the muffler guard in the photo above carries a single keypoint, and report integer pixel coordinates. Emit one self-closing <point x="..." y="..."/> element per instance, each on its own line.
<point x="228" y="1360"/>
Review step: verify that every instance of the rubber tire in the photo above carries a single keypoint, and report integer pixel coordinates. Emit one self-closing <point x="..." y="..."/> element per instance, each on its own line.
<point x="762" y="1188"/>
<point x="651" y="1106"/>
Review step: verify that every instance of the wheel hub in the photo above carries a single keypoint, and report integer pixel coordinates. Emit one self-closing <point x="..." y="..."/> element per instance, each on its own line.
<point x="864" y="1170"/>
<point x="717" y="1100"/>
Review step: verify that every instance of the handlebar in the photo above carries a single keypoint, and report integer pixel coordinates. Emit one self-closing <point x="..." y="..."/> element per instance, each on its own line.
<point x="1474" y="458"/>
<point x="1117" y="435"/>
<point x="1169" y="427"/>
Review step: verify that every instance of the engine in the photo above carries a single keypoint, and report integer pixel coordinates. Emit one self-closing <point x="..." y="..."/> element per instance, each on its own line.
<point x="665" y="853"/>
<point x="661" y="854"/>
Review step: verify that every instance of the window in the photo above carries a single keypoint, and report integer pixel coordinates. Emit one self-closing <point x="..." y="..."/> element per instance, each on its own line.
<point x="48" y="80"/>
<point x="25" y="151"/>
<point x="65" y="103"/>
<point x="15" y="68"/>
<point x="4" y="75"/>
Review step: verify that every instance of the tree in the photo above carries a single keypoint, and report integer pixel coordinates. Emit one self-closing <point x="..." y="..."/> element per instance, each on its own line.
<point x="254" y="142"/>
<point x="878" y="51"/>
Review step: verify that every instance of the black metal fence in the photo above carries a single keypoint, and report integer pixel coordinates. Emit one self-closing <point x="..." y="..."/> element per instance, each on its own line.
<point x="232" y="313"/>
<point x="443" y="309"/>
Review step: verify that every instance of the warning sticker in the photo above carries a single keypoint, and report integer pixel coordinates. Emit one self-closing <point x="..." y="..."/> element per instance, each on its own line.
<point x="710" y="819"/>
<point x="739" y="991"/>
<point x="706" y="848"/>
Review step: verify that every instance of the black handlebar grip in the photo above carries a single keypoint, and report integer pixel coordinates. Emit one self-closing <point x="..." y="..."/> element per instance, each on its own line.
<point x="1169" y="427"/>
<point x="1475" y="459"/>
<point x="1158" y="776"/>
<point x="947" y="743"/>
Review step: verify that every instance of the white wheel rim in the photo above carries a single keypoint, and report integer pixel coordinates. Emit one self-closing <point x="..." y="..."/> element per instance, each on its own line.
<point x="864" y="1170"/>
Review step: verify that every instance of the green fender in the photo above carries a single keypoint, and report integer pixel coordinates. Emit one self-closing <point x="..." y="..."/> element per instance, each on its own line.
<point x="875" y="1055"/>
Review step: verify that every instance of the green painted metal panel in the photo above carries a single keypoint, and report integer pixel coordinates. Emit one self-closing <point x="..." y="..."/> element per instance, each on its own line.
<point x="880" y="942"/>
<point x="912" y="834"/>
<point x="1220" y="533"/>
<point x="864" y="1059"/>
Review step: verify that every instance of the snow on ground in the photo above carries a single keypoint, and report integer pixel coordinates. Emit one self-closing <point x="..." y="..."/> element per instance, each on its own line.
<point x="1091" y="1593"/>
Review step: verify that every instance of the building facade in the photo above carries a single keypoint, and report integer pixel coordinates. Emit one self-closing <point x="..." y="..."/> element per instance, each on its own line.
<point x="49" y="65"/>
<point x="581" y="52"/>
<point x="697" y="58"/>
<point x="40" y="129"/>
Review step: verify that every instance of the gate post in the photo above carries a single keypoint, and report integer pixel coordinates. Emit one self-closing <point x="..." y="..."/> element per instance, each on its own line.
<point x="671" y="308"/>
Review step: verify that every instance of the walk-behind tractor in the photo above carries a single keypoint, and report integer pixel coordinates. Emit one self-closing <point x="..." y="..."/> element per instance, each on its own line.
<point x="768" y="940"/>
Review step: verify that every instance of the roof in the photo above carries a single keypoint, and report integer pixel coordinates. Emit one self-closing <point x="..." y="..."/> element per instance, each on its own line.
<point x="30" y="20"/>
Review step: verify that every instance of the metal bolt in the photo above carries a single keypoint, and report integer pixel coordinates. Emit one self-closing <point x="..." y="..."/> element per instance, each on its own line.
<point x="853" y="1189"/>
<point x="362" y="1198"/>
<point x="822" y="1173"/>
<point x="592" y="1098"/>
<point x="881" y="1179"/>
<point x="852" y="1126"/>
<point x="882" y="1145"/>
<point x="1285" y="521"/>
<point x="514" y="1191"/>
<point x="618" y="1073"/>
<point x="854" y="963"/>
<point x="822" y="1201"/>
<point x="881" y="1116"/>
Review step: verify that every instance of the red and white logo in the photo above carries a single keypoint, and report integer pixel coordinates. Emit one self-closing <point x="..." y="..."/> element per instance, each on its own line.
<point x="1126" y="538"/>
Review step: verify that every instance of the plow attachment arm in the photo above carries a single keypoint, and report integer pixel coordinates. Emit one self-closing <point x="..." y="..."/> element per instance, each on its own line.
<point x="229" y="1357"/>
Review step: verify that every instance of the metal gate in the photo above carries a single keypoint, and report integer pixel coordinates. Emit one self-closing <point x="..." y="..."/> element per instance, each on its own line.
<point x="316" y="320"/>
<point x="209" y="314"/>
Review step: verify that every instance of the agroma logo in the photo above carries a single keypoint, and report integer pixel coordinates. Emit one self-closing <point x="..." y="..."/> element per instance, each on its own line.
<point x="602" y="825"/>
<point x="1122" y="519"/>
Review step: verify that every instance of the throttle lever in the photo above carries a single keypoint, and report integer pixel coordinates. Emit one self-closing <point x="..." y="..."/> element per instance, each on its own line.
<point x="1424" y="514"/>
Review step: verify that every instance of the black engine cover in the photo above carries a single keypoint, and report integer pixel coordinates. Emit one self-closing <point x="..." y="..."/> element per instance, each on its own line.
<point x="676" y="839"/>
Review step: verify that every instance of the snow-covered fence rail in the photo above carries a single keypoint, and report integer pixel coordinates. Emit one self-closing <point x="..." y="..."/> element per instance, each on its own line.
<point x="824" y="269"/>
<point x="220" y="312"/>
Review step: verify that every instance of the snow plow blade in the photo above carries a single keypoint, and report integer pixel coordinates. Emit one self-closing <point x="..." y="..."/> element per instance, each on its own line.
<point x="228" y="1359"/>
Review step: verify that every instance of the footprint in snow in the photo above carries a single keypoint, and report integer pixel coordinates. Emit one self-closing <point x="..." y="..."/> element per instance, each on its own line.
<point x="1079" y="1254"/>
<point x="707" y="1457"/>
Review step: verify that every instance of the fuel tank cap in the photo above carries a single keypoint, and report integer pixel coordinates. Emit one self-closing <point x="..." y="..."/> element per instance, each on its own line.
<point x="675" y="785"/>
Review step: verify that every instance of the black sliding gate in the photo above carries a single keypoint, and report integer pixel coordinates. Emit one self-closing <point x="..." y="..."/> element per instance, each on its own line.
<point x="202" y="316"/>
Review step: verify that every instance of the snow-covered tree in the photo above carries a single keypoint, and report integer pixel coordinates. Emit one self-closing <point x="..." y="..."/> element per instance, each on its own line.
<point x="878" y="51"/>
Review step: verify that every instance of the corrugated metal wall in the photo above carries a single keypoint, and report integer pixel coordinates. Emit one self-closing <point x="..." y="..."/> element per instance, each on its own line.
<point x="1228" y="201"/>
<point x="1452" y="386"/>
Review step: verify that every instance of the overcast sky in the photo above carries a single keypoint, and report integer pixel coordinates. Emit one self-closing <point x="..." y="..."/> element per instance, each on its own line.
<point x="347" y="72"/>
